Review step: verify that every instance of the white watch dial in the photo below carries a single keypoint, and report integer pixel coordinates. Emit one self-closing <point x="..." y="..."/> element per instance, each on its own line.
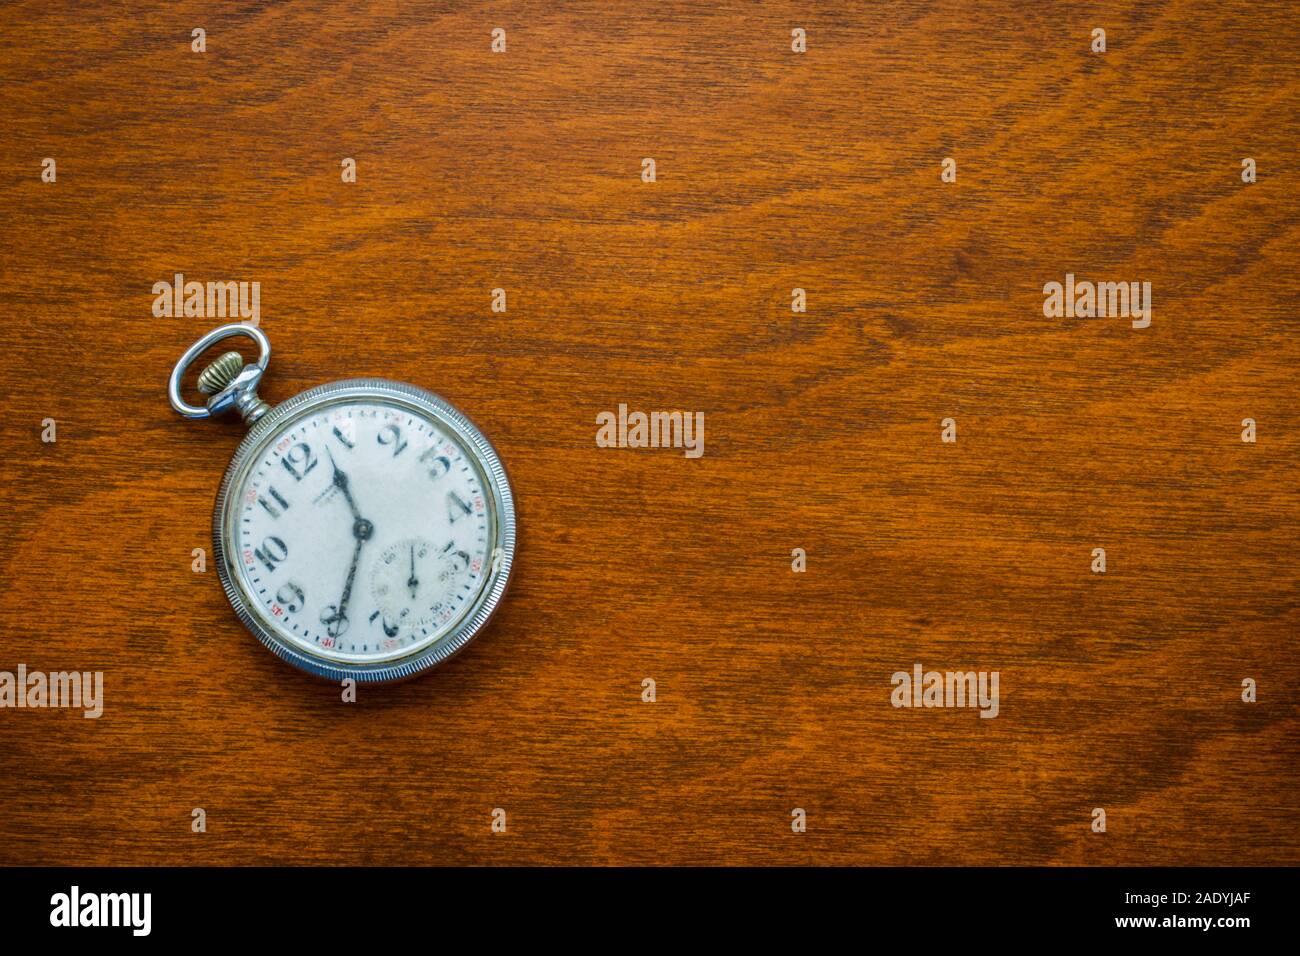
<point x="362" y="531"/>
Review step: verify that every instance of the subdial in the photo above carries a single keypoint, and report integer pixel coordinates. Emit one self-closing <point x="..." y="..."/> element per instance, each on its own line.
<point x="405" y="585"/>
<point x="417" y="585"/>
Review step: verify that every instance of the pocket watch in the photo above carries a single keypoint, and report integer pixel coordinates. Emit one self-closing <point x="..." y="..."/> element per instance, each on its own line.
<point x="364" y="529"/>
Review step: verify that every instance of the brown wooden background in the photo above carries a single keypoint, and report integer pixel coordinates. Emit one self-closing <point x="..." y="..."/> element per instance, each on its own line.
<point x="775" y="170"/>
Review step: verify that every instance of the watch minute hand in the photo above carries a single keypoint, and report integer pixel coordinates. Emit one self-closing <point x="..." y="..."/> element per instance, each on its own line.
<point x="352" y="574"/>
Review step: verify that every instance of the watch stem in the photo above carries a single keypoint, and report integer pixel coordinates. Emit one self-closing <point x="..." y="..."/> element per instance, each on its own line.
<point x="220" y="373"/>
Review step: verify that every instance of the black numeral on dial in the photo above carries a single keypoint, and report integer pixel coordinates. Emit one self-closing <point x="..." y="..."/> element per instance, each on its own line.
<point x="291" y="597"/>
<point x="272" y="552"/>
<point x="299" y="460"/>
<point x="275" y="507"/>
<point x="456" y="508"/>
<point x="335" y="621"/>
<point x="392" y="435"/>
<point x="439" y="465"/>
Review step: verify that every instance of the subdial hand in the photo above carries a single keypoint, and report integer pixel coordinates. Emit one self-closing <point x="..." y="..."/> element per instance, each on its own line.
<point x="413" y="582"/>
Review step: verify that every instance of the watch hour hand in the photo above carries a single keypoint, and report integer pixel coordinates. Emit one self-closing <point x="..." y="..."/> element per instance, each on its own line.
<point x="340" y="480"/>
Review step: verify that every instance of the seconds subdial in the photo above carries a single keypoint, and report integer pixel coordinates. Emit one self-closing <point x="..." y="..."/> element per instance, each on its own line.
<point x="413" y="583"/>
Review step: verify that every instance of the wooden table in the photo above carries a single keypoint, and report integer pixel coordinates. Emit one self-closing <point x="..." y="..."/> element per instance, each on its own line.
<point x="774" y="171"/>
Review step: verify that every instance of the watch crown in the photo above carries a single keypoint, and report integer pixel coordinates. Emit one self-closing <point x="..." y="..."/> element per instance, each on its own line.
<point x="220" y="373"/>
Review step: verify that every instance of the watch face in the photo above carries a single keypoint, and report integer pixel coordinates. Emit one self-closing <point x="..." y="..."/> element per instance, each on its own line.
<point x="359" y="529"/>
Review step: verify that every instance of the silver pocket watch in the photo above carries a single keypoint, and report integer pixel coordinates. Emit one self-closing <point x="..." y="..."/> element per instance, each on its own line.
<point x="364" y="529"/>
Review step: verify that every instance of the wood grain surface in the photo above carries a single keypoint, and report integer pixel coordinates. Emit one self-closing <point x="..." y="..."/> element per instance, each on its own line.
<point x="775" y="170"/>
